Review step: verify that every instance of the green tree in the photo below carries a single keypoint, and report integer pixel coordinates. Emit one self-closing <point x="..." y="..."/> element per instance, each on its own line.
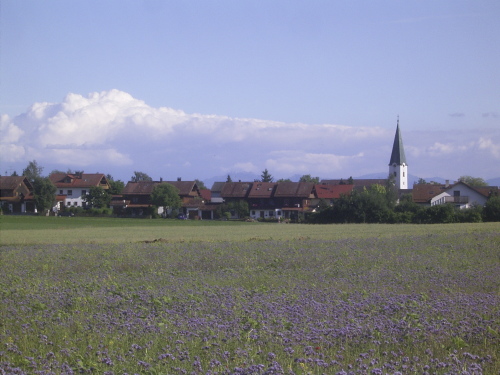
<point x="284" y="180"/>
<point x="32" y="171"/>
<point x="265" y="176"/>
<point x="115" y="186"/>
<point x="421" y="181"/>
<point x="166" y="195"/>
<point x="229" y="179"/>
<point x="97" y="197"/>
<point x="239" y="207"/>
<point x="491" y="210"/>
<point x="140" y="176"/>
<point x="308" y="178"/>
<point x="44" y="192"/>
<point x="473" y="181"/>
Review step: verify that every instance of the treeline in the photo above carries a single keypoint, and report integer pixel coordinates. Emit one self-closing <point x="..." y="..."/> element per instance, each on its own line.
<point x="379" y="204"/>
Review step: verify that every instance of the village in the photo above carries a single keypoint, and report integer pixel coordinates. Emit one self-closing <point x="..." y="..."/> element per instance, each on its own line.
<point x="256" y="200"/>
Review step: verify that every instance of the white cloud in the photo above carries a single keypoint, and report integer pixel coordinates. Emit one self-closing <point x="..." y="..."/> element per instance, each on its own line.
<point x="10" y="132"/>
<point x="298" y="162"/>
<point x="111" y="129"/>
<point x="243" y="167"/>
<point x="488" y="145"/>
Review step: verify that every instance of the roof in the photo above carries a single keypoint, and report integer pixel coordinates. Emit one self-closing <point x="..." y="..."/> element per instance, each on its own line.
<point x="236" y="189"/>
<point x="294" y="189"/>
<point x="357" y="182"/>
<point x="423" y="193"/>
<point x="78" y="180"/>
<point x="398" y="152"/>
<point x="12" y="182"/>
<point x="206" y="194"/>
<point x="146" y="187"/>
<point x="217" y="186"/>
<point x="332" y="191"/>
<point x="262" y="189"/>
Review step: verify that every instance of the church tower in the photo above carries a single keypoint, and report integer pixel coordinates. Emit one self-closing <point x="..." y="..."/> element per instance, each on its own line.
<point x="397" y="166"/>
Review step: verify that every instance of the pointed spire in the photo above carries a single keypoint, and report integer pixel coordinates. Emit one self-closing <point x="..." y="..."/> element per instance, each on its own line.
<point x="398" y="151"/>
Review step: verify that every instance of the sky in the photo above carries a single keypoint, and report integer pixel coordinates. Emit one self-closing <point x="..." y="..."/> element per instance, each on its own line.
<point x="197" y="88"/>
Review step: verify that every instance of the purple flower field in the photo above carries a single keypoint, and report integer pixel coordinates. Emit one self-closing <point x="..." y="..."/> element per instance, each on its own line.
<point x="405" y="305"/>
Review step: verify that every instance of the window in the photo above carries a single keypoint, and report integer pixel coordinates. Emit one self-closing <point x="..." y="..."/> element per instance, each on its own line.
<point x="403" y="174"/>
<point x="253" y="213"/>
<point x="60" y="192"/>
<point x="271" y="213"/>
<point x="70" y="192"/>
<point x="278" y="213"/>
<point x="395" y="174"/>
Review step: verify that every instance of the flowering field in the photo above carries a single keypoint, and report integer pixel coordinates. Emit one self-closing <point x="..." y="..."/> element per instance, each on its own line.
<point x="410" y="304"/>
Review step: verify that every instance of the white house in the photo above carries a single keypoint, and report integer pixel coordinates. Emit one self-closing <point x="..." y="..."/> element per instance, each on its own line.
<point x="461" y="196"/>
<point x="73" y="187"/>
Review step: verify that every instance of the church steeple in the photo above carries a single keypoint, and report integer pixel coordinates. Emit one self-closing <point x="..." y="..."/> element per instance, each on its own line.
<point x="397" y="165"/>
<point x="398" y="151"/>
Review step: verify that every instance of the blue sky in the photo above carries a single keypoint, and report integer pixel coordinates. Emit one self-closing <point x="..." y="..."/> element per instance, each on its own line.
<point x="205" y="88"/>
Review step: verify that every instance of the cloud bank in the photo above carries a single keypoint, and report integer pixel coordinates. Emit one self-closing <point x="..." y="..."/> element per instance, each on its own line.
<point x="113" y="132"/>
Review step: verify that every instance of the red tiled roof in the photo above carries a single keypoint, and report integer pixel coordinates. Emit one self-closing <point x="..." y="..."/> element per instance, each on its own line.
<point x="423" y="193"/>
<point x="332" y="191"/>
<point x="206" y="194"/>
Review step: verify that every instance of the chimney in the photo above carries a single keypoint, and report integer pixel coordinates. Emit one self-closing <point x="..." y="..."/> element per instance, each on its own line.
<point x="161" y="179"/>
<point x="447" y="183"/>
<point x="179" y="179"/>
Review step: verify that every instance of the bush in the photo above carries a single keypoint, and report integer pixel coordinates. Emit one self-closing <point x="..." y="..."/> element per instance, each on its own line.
<point x="491" y="211"/>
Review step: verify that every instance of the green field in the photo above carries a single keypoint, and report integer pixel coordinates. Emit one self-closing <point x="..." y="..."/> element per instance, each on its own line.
<point x="115" y="296"/>
<point x="70" y="230"/>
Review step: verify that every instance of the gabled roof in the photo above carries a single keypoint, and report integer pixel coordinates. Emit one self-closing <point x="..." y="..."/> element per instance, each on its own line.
<point x="262" y="189"/>
<point x="12" y="182"/>
<point x="78" y="180"/>
<point x="398" y="152"/>
<point x="236" y="189"/>
<point x="146" y="187"/>
<point x="294" y="189"/>
<point x="332" y="191"/>
<point x="423" y="193"/>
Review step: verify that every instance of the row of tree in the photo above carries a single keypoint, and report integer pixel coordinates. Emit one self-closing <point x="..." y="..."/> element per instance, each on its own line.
<point x="379" y="204"/>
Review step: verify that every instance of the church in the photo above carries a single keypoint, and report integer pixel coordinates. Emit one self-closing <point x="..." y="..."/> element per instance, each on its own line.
<point x="397" y="165"/>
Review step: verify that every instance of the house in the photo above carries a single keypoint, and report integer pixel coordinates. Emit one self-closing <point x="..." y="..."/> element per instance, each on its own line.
<point x="73" y="187"/>
<point x="235" y="192"/>
<point x="261" y="202"/>
<point x="329" y="193"/>
<point x="135" y="199"/>
<point x="16" y="194"/>
<point x="216" y="192"/>
<point x="459" y="194"/>
<point x="294" y="198"/>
